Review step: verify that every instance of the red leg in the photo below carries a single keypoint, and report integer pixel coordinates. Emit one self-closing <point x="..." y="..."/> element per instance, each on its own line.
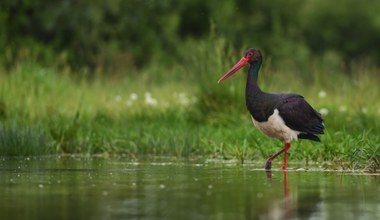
<point x="268" y="164"/>
<point x="286" y="148"/>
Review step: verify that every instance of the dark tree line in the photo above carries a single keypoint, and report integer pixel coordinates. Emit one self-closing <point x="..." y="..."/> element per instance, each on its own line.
<point x="132" y="32"/>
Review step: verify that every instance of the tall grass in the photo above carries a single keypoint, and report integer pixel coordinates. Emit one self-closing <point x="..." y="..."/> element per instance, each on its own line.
<point x="16" y="140"/>
<point x="181" y="111"/>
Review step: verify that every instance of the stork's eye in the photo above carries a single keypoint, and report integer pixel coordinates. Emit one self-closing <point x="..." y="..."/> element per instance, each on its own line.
<point x="250" y="54"/>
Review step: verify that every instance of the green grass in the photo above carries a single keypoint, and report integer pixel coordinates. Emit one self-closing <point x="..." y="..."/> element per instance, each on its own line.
<point x="180" y="111"/>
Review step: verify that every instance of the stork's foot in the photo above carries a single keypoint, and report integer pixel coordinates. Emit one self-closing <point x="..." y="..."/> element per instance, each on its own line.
<point x="268" y="164"/>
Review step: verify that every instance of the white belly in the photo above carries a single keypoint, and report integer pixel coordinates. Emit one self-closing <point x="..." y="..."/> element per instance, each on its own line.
<point x="275" y="127"/>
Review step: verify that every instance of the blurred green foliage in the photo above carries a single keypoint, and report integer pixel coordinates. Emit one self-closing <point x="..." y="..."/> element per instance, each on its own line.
<point x="110" y="34"/>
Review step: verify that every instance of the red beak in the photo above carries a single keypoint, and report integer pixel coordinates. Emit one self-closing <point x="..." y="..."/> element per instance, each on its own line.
<point x="242" y="62"/>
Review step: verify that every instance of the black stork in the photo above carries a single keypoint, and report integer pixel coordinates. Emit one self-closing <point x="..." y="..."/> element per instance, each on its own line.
<point x="284" y="116"/>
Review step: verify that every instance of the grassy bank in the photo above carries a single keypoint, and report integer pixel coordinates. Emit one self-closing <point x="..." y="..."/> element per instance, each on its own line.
<point x="181" y="111"/>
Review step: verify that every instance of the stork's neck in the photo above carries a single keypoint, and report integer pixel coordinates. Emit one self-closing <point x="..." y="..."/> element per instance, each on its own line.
<point x="256" y="100"/>
<point x="252" y="89"/>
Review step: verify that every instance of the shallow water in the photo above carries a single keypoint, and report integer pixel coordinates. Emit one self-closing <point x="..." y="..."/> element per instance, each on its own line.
<point x="121" y="189"/>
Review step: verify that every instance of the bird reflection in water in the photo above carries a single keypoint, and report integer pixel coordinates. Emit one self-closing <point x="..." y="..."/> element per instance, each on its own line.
<point x="302" y="204"/>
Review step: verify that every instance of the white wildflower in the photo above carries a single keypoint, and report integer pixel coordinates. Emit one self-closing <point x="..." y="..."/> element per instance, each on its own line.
<point x="149" y="100"/>
<point x="322" y="94"/>
<point x="342" y="108"/>
<point x="133" y="97"/>
<point x="323" y="111"/>
<point x="183" y="99"/>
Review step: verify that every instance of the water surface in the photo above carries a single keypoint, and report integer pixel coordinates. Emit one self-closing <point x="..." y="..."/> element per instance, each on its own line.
<point x="80" y="188"/>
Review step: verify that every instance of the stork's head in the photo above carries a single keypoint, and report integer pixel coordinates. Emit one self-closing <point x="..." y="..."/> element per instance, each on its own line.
<point x="251" y="56"/>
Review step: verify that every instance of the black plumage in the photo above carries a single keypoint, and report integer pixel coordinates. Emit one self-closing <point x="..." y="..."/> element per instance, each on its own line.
<point x="300" y="116"/>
